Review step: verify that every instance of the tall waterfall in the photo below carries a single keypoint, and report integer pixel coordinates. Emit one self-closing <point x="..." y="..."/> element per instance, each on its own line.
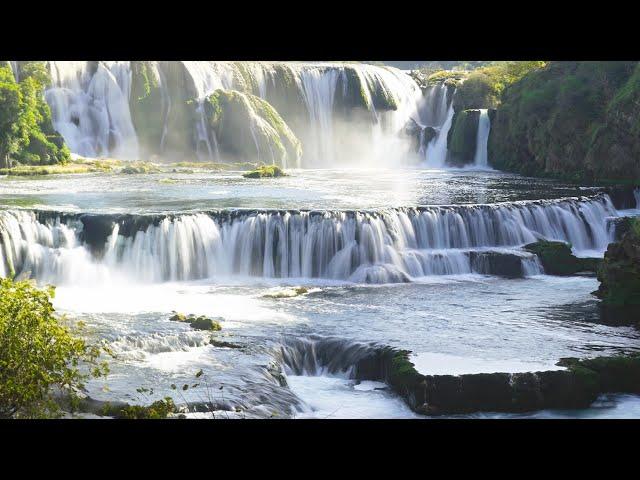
<point x="91" y="104"/>
<point x="90" y="108"/>
<point x="390" y="245"/>
<point x="484" y="125"/>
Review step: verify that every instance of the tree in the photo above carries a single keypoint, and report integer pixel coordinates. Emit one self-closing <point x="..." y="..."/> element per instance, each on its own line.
<point x="10" y="108"/>
<point x="38" y="354"/>
<point x="26" y="130"/>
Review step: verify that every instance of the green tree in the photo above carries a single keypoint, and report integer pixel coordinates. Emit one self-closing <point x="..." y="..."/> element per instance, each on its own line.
<point x="39" y="356"/>
<point x="26" y="129"/>
<point x="11" y="136"/>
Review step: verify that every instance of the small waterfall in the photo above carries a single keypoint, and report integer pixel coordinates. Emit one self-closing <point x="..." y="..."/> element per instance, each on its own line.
<point x="319" y="88"/>
<point x="636" y="194"/>
<point x="436" y="152"/>
<point x="390" y="245"/>
<point x="484" y="125"/>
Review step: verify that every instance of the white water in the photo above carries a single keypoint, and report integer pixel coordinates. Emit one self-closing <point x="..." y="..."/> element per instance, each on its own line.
<point x="429" y="363"/>
<point x="484" y="125"/>
<point x="394" y="245"/>
<point x="436" y="153"/>
<point x="91" y="109"/>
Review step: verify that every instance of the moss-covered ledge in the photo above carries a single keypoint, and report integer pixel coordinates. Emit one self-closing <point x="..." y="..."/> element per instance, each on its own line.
<point x="578" y="386"/>
<point x="557" y="259"/>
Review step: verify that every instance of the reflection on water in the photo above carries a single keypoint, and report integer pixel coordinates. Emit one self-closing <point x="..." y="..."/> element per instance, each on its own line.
<point x="308" y="189"/>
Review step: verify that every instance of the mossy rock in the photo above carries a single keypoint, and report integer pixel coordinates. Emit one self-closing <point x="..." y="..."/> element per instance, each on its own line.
<point x="557" y="258"/>
<point x="265" y="171"/>
<point x="248" y="127"/>
<point x="198" y="323"/>
<point x="462" y="137"/>
<point x="619" y="274"/>
<point x="205" y="323"/>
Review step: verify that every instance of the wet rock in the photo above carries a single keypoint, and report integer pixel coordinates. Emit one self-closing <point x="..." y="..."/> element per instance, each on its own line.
<point x="462" y="137"/>
<point x="619" y="277"/>
<point x="224" y="344"/>
<point x="557" y="258"/>
<point x="198" y="323"/>
<point x="497" y="263"/>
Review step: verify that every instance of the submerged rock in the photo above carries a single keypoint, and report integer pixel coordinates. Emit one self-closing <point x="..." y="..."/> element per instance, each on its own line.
<point x="557" y="259"/>
<point x="290" y="292"/>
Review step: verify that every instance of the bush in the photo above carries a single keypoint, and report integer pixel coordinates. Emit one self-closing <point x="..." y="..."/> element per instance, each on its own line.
<point x="38" y="354"/>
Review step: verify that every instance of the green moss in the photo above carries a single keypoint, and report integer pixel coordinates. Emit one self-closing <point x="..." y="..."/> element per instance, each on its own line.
<point x="248" y="127"/>
<point x="619" y="274"/>
<point x="139" y="167"/>
<point x="571" y="120"/>
<point x="157" y="410"/>
<point x="462" y="137"/>
<point x="265" y="171"/>
<point x="198" y="323"/>
<point x="448" y="77"/>
<point x="557" y="258"/>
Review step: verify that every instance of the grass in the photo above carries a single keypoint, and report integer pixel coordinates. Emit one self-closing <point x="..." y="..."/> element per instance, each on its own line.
<point x="109" y="165"/>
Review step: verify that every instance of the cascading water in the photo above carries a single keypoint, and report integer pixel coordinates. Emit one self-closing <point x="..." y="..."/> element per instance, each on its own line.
<point x="90" y="103"/>
<point x="482" y="139"/>
<point x="90" y="108"/>
<point x="436" y="152"/>
<point x="393" y="245"/>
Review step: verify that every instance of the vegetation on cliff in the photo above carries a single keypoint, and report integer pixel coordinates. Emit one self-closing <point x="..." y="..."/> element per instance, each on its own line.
<point x="575" y="120"/>
<point x="247" y="127"/>
<point x="27" y="135"/>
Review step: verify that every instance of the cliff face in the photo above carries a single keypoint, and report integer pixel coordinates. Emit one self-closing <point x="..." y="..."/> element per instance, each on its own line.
<point x="577" y="120"/>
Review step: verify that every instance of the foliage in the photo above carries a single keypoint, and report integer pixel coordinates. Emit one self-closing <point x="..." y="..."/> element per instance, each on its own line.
<point x="159" y="409"/>
<point x="484" y="86"/>
<point x="574" y="120"/>
<point x="38" y="354"/>
<point x="26" y="130"/>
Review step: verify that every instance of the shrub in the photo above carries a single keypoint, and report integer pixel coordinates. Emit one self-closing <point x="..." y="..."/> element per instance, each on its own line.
<point x="38" y="354"/>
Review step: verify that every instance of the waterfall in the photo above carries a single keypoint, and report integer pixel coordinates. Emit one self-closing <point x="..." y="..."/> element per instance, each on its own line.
<point x="90" y="108"/>
<point x="319" y="88"/>
<point x="436" y="152"/>
<point x="484" y="124"/>
<point x="388" y="245"/>
<point x="90" y="104"/>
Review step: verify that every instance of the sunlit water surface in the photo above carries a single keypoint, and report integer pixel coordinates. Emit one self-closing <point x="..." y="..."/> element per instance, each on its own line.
<point x="453" y="324"/>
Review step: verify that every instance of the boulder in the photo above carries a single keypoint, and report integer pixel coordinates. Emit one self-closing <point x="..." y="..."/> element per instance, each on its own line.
<point x="462" y="137"/>
<point x="619" y="276"/>
<point x="557" y="259"/>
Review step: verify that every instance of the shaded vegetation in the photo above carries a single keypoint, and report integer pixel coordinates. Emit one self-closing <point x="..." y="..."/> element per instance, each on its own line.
<point x="572" y="120"/>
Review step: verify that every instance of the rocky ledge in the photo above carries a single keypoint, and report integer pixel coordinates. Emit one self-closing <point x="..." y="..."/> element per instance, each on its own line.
<point x="577" y="386"/>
